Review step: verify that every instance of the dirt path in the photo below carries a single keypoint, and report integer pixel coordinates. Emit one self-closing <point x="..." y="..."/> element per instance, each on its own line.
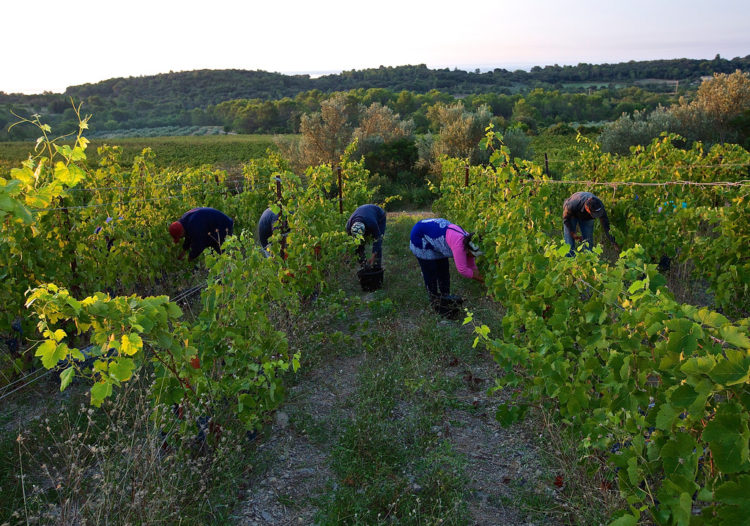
<point x="293" y="466"/>
<point x="432" y="389"/>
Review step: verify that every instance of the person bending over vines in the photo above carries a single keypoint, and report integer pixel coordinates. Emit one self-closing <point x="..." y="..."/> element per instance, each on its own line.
<point x="202" y="228"/>
<point x="580" y="210"/>
<point x="433" y="242"/>
<point x="368" y="221"/>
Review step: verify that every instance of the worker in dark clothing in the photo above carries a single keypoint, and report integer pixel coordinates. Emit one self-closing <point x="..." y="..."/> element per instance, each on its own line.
<point x="266" y="227"/>
<point x="580" y="210"/>
<point x="369" y="222"/>
<point x="201" y="228"/>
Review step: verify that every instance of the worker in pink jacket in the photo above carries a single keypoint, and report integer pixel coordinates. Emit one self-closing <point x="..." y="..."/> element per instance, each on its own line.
<point x="433" y="242"/>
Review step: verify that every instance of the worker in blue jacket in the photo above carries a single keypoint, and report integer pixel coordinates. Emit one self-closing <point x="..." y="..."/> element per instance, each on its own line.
<point x="368" y="221"/>
<point x="202" y="228"/>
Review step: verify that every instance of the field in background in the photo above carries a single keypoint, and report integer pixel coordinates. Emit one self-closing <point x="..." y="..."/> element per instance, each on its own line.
<point x="222" y="151"/>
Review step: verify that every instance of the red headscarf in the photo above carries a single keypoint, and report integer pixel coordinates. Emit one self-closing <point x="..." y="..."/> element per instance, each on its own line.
<point x="176" y="231"/>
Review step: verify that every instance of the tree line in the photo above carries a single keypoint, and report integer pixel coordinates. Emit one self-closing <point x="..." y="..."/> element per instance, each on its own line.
<point x="278" y="101"/>
<point x="533" y="110"/>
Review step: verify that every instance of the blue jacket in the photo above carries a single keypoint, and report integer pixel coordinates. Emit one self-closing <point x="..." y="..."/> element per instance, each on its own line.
<point x="373" y="218"/>
<point x="427" y="239"/>
<point x="205" y="227"/>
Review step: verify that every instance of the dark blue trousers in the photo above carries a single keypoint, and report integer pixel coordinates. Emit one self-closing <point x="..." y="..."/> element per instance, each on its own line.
<point x="437" y="276"/>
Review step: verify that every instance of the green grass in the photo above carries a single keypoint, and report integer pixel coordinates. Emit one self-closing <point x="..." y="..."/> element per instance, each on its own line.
<point x="392" y="461"/>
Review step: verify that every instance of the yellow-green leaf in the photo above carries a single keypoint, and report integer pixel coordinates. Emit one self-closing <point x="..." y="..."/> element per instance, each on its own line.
<point x="131" y="344"/>
<point x="66" y="377"/>
<point x="100" y="391"/>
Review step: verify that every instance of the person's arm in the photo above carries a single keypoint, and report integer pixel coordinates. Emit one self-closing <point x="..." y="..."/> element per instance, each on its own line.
<point x="194" y="252"/>
<point x="568" y="223"/>
<point x="605" y="225"/>
<point x="465" y="263"/>
<point x="377" y="246"/>
<point x="184" y="248"/>
<point x="197" y="246"/>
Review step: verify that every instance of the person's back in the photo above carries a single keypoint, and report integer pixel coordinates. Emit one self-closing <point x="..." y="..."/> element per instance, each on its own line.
<point x="427" y="239"/>
<point x="205" y="227"/>
<point x="370" y="222"/>
<point x="372" y="216"/>
<point x="265" y="226"/>
<point x="579" y="211"/>
<point x="576" y="206"/>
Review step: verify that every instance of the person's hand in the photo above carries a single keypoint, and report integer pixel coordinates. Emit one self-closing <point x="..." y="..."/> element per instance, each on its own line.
<point x="578" y="237"/>
<point x="371" y="260"/>
<point x="479" y="278"/>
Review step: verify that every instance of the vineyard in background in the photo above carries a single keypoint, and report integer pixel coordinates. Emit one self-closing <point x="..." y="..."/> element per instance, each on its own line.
<point x="657" y="387"/>
<point x="171" y="152"/>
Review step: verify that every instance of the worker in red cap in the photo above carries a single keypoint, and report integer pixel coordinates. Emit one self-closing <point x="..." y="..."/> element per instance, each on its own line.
<point x="201" y="228"/>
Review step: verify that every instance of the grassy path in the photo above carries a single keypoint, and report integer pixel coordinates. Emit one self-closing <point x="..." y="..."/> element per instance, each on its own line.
<point x="391" y="420"/>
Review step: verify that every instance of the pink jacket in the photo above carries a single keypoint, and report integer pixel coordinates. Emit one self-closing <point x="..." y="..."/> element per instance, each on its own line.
<point x="465" y="263"/>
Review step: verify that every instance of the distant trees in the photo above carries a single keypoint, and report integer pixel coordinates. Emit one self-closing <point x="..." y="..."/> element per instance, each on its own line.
<point x="378" y="125"/>
<point x="716" y="114"/>
<point x="326" y="134"/>
<point x="718" y="102"/>
<point x="458" y="133"/>
<point x="518" y="142"/>
<point x="262" y="102"/>
<point x="639" y="128"/>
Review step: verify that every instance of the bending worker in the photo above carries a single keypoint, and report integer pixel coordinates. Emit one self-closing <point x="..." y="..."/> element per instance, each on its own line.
<point x="266" y="227"/>
<point x="201" y="228"/>
<point x="369" y="222"/>
<point x="433" y="242"/>
<point x="580" y="210"/>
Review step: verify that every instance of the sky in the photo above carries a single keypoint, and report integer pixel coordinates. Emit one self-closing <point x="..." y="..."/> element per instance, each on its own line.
<point x="50" y="45"/>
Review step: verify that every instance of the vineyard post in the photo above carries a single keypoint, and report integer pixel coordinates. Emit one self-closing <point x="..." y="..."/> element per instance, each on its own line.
<point x="341" y="195"/>
<point x="466" y="176"/>
<point x="546" y="165"/>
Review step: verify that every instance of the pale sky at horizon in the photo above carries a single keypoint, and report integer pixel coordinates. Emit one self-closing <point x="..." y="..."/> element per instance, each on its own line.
<point x="52" y="45"/>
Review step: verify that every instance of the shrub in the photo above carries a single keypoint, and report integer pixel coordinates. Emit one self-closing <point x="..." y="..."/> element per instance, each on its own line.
<point x="391" y="158"/>
<point x="518" y="143"/>
<point x="639" y="129"/>
<point x="561" y="128"/>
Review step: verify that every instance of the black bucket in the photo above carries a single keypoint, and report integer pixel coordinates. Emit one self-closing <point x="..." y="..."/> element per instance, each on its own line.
<point x="449" y="306"/>
<point x="371" y="279"/>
